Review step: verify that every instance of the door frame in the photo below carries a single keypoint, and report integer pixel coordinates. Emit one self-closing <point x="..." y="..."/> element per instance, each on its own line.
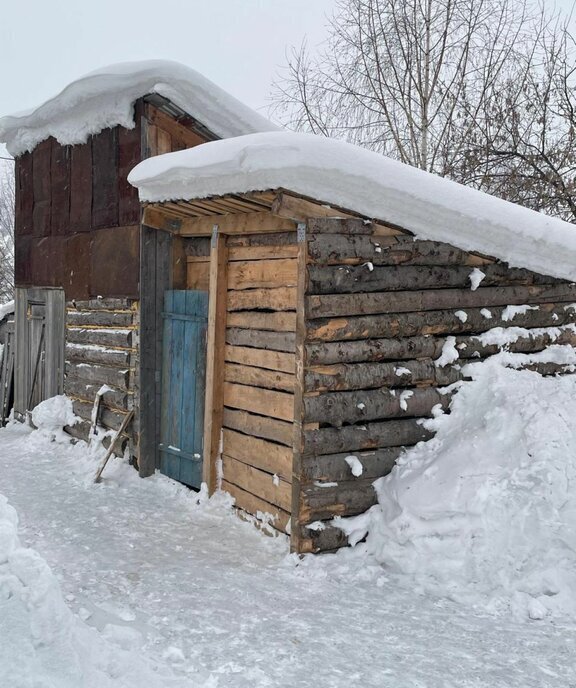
<point x="162" y="268"/>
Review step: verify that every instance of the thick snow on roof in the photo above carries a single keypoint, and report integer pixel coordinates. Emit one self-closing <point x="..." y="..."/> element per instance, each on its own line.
<point x="6" y="309"/>
<point x="104" y="98"/>
<point x="370" y="184"/>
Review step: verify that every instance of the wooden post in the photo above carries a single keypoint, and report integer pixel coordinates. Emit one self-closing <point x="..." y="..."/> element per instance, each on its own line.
<point x="155" y="280"/>
<point x="215" y="357"/>
<point x="300" y="351"/>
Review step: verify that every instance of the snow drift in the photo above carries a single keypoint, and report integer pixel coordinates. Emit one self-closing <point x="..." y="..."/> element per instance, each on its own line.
<point x="485" y="513"/>
<point x="105" y="98"/>
<point x="370" y="184"/>
<point x="36" y="627"/>
<point x="42" y="644"/>
<point x="52" y="415"/>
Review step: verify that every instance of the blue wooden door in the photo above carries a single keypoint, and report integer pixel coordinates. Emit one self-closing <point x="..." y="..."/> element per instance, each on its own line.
<point x="183" y="385"/>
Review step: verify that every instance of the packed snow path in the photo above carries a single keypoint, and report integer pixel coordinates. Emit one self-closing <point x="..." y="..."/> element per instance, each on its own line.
<point x="222" y="603"/>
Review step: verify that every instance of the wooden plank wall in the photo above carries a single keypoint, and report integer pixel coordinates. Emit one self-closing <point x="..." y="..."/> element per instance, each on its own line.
<point x="102" y="349"/>
<point x="164" y="134"/>
<point x="259" y="374"/>
<point x="28" y="343"/>
<point x="77" y="217"/>
<point x="379" y="310"/>
<point x="7" y="359"/>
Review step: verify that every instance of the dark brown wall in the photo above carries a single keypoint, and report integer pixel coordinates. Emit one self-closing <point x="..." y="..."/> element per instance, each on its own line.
<point x="77" y="217"/>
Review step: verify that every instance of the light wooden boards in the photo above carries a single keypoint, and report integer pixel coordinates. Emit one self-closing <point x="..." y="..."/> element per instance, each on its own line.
<point x="259" y="376"/>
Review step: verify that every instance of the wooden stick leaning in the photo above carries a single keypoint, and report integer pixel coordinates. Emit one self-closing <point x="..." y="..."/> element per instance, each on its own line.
<point x="121" y="429"/>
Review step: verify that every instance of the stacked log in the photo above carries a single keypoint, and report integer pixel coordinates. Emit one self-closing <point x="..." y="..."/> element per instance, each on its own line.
<point x="378" y="313"/>
<point x="101" y="350"/>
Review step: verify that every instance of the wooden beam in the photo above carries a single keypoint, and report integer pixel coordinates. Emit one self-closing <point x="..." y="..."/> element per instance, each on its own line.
<point x="298" y="445"/>
<point x="240" y="223"/>
<point x="301" y="210"/>
<point x="156" y="218"/>
<point x="176" y="130"/>
<point x="215" y="357"/>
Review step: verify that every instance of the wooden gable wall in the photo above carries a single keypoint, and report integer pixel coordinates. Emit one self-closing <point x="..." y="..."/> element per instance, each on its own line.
<point x="77" y="217"/>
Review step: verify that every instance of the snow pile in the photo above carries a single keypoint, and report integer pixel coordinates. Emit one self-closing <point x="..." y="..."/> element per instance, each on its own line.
<point x="36" y="627"/>
<point x="367" y="183"/>
<point x="51" y="415"/>
<point x="485" y="513"/>
<point x="43" y="645"/>
<point x="105" y="98"/>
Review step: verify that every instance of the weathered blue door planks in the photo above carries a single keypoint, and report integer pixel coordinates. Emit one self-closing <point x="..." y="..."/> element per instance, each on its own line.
<point x="183" y="385"/>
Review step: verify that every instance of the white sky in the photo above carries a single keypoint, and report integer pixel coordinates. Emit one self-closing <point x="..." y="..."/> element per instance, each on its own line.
<point x="239" y="44"/>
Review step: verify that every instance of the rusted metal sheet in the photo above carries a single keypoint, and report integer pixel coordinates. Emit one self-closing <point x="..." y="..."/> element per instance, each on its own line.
<point x="41" y="188"/>
<point x="47" y="261"/>
<point x="76" y="266"/>
<point x="22" y="263"/>
<point x="25" y="191"/>
<point x="129" y="155"/>
<point x="114" y="262"/>
<point x="81" y="187"/>
<point x="105" y="178"/>
<point x="60" y="189"/>
<point x="18" y="196"/>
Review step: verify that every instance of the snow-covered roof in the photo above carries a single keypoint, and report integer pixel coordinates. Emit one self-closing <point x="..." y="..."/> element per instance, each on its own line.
<point x="6" y="309"/>
<point x="369" y="184"/>
<point x="105" y="98"/>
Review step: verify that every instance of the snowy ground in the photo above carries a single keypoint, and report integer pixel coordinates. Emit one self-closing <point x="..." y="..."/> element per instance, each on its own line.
<point x="218" y="604"/>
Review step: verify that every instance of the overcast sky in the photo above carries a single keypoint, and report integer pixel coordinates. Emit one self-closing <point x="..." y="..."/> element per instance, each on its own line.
<point x="239" y="44"/>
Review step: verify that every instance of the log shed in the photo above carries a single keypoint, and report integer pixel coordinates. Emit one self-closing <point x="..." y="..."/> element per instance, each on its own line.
<point x="326" y="331"/>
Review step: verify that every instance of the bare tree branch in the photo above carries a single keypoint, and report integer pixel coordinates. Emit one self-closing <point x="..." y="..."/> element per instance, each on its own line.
<point x="7" y="201"/>
<point x="481" y="91"/>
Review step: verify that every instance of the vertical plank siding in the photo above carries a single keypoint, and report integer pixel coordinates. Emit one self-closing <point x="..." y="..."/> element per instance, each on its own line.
<point x="81" y="188"/>
<point x="24" y="222"/>
<point x="65" y="191"/>
<point x="105" y="178"/>
<point x="60" y="189"/>
<point x="129" y="155"/>
<point x="378" y="312"/>
<point x="39" y="350"/>
<point x="41" y="189"/>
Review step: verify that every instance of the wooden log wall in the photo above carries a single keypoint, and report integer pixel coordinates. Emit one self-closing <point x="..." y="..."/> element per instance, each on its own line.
<point x="259" y="374"/>
<point x="102" y="349"/>
<point x="379" y="309"/>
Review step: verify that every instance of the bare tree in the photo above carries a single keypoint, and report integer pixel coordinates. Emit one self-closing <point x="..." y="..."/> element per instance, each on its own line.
<point x="524" y="148"/>
<point x="433" y="83"/>
<point x="7" y="201"/>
